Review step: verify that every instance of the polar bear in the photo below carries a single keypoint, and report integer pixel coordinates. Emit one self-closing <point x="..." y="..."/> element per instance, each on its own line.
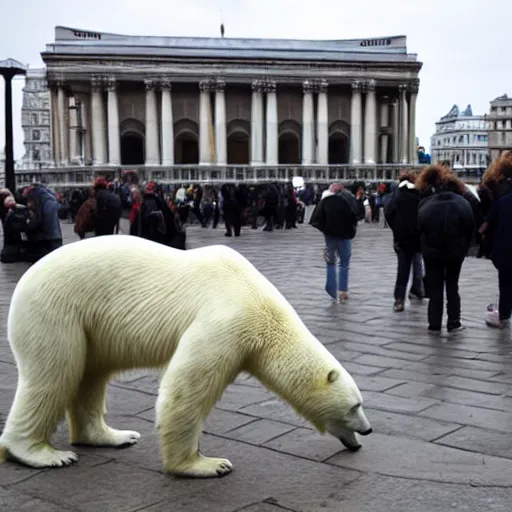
<point x="98" y="307"/>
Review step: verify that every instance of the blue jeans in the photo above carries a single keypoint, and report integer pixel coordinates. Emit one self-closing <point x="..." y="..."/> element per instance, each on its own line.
<point x="342" y="248"/>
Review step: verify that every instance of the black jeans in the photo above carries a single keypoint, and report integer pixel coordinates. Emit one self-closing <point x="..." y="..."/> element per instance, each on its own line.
<point x="505" y="302"/>
<point x="437" y="273"/>
<point x="405" y="261"/>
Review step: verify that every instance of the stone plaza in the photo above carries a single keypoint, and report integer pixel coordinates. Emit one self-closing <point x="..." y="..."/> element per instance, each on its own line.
<point x="440" y="407"/>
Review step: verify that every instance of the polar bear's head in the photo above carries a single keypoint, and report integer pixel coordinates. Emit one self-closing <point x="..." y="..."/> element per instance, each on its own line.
<point x="339" y="408"/>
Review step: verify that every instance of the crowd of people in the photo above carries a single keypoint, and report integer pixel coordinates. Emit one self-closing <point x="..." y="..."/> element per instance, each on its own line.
<point x="437" y="221"/>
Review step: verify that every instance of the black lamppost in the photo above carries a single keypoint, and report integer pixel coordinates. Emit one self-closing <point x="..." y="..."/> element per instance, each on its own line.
<point x="8" y="69"/>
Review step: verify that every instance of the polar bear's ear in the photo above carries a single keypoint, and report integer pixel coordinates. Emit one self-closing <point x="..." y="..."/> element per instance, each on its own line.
<point x="333" y="376"/>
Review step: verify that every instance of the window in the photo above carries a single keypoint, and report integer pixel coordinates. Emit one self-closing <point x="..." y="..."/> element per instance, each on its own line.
<point x="35" y="119"/>
<point x="45" y="118"/>
<point x="36" y="135"/>
<point x="36" y="155"/>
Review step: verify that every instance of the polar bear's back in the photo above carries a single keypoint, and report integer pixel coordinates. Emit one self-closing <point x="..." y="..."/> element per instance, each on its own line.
<point x="120" y="273"/>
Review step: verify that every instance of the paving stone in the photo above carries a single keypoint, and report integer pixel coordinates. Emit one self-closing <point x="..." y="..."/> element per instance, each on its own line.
<point x="461" y="396"/>
<point x="375" y="383"/>
<point x="410" y="389"/>
<point x="148" y="384"/>
<point x="127" y="401"/>
<point x="220" y="422"/>
<point x="436" y="376"/>
<point x="480" y="441"/>
<point x="405" y="425"/>
<point x="275" y="410"/>
<point x="372" y="493"/>
<point x="259" y="432"/>
<point x="473" y="416"/>
<point x="238" y="396"/>
<point x="408" y="458"/>
<point x="384" y="352"/>
<point x="361" y="369"/>
<point x="386" y="402"/>
<point x="307" y="443"/>
<point x="16" y="501"/>
<point x="493" y="388"/>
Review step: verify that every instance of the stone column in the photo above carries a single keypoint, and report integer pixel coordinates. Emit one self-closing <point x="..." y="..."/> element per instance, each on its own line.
<point x="205" y="120"/>
<point x="63" y="117"/>
<point x="74" y="157"/>
<point x="384" y="124"/>
<point x="85" y="135"/>
<point x="322" y="126"/>
<point x="395" y="127"/>
<point x="370" y="124"/>
<point x="404" y="130"/>
<point x="99" y="147"/>
<point x="308" y="120"/>
<point x="257" y="123"/>
<point x="54" y="123"/>
<point x="413" y="90"/>
<point x="114" y="138"/>
<point x="272" y="123"/>
<point x="151" y="136"/>
<point x="356" y="121"/>
<point x="167" y="124"/>
<point x="220" y="122"/>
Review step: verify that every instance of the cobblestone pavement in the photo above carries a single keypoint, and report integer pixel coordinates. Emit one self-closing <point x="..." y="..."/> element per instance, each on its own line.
<point x="441" y="407"/>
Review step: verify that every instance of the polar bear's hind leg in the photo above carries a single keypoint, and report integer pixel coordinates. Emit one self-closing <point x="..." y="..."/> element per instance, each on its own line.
<point x="86" y="416"/>
<point x="47" y="381"/>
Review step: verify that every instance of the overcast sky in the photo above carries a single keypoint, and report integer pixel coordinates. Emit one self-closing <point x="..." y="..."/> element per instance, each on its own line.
<point x="465" y="45"/>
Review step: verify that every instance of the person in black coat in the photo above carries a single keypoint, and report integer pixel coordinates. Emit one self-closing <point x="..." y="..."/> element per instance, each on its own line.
<point x="108" y="208"/>
<point x="336" y="217"/>
<point x="402" y="217"/>
<point x="446" y="227"/>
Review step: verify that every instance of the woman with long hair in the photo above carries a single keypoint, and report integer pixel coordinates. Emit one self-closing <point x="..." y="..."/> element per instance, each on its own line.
<point x="497" y="231"/>
<point x="446" y="227"/>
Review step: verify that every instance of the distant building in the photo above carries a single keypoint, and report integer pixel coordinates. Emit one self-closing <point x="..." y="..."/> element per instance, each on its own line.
<point x="35" y="121"/>
<point x="500" y="126"/>
<point x="461" y="138"/>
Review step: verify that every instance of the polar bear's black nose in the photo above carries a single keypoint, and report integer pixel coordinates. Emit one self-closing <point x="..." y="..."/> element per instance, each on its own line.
<point x="367" y="432"/>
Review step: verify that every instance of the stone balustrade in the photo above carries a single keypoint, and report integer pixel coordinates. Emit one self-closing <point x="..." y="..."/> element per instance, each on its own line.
<point x="71" y="177"/>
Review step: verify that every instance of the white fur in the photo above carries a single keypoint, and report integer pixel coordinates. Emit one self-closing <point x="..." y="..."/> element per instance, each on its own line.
<point x="109" y="304"/>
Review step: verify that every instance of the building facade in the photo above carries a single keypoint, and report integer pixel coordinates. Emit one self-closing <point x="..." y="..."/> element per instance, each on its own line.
<point x="462" y="139"/>
<point x="35" y="121"/>
<point x="500" y="126"/>
<point x="212" y="103"/>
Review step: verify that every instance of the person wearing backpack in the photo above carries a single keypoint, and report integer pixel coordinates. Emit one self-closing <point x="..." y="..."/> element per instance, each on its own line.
<point x="446" y="226"/>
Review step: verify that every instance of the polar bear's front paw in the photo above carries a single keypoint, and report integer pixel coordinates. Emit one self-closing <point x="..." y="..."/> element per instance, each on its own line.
<point x="205" y="467"/>
<point x="42" y="457"/>
<point x="109" y="437"/>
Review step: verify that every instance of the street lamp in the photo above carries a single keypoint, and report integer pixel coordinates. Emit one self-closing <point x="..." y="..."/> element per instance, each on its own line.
<point x="8" y="69"/>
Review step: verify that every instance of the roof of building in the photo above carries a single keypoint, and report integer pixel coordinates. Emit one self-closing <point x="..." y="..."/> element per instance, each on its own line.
<point x="77" y="41"/>
<point x="455" y="112"/>
<point x="503" y="98"/>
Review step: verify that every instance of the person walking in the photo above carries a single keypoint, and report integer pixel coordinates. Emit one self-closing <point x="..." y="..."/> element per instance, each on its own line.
<point x="336" y="217"/>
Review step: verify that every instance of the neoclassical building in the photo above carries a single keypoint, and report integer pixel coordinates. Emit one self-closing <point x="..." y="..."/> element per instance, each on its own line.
<point x="462" y="138"/>
<point x="35" y="121"/>
<point x="165" y="103"/>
